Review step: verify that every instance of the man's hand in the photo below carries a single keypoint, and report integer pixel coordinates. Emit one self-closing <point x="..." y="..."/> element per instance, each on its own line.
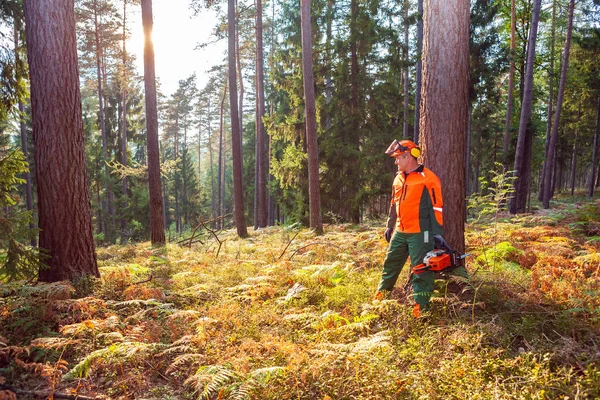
<point x="388" y="234"/>
<point x="440" y="243"/>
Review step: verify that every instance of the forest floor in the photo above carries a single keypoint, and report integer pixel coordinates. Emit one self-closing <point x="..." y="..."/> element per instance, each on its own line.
<point x="285" y="314"/>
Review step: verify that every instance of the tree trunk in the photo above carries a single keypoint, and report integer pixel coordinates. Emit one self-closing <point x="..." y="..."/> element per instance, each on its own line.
<point x="23" y="132"/>
<point x="65" y="216"/>
<point x="561" y="92"/>
<point x="220" y="169"/>
<point x="444" y="105"/>
<point x="418" y="71"/>
<point x="511" y="84"/>
<point x="124" y="128"/>
<point x="314" y="196"/>
<point x="595" y="152"/>
<point x="236" y="141"/>
<point x="573" y="165"/>
<point x="154" y="184"/>
<point x="550" y="100"/>
<point x="108" y="206"/>
<point x="260" y="126"/>
<point x="406" y="83"/>
<point x="522" y="160"/>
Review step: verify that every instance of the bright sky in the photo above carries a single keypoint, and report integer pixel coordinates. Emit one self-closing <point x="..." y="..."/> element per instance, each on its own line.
<point x="176" y="33"/>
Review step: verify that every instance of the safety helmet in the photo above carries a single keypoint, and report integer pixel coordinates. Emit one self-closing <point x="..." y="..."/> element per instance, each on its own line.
<point x="397" y="148"/>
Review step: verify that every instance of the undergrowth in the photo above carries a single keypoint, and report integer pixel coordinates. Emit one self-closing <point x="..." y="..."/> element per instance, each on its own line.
<point x="286" y="314"/>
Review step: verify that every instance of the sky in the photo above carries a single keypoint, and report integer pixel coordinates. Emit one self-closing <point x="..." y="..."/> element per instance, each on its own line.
<point x="176" y="33"/>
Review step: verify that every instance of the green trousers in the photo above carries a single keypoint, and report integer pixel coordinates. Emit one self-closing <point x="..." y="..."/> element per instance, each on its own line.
<point x="415" y="246"/>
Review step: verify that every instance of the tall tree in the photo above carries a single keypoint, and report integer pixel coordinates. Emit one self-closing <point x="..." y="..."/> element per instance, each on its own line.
<point x="236" y="141"/>
<point x="124" y="83"/>
<point x="406" y="64"/>
<point x="261" y="155"/>
<point x="550" y="97"/>
<point x="109" y="193"/>
<point x="154" y="183"/>
<point x="418" y="68"/>
<point x="65" y="230"/>
<point x="22" y="128"/>
<point x="595" y="151"/>
<point x="550" y="154"/>
<point x="444" y="105"/>
<point x="525" y="140"/>
<point x="511" y="82"/>
<point x="314" y="195"/>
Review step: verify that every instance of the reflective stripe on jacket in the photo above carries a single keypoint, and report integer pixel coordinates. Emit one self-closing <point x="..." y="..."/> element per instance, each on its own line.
<point x="418" y="199"/>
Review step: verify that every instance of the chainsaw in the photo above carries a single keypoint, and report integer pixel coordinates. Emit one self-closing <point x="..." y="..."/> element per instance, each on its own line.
<point x="439" y="260"/>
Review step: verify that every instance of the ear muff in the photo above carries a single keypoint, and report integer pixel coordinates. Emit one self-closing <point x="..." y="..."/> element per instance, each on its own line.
<point x="415" y="152"/>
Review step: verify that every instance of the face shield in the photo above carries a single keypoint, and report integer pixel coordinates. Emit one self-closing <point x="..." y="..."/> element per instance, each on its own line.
<point x="395" y="149"/>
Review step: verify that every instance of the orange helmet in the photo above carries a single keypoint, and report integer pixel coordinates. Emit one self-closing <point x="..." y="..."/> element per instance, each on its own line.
<point x="397" y="148"/>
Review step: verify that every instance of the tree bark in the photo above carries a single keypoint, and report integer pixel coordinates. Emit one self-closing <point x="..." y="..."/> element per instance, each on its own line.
<point x="406" y="83"/>
<point x="314" y="195"/>
<point x="23" y="132"/>
<point x="260" y="126"/>
<point x="561" y="92"/>
<point x="595" y="152"/>
<point x="522" y="164"/>
<point x="550" y="100"/>
<point x="124" y="128"/>
<point x="109" y="193"/>
<point x="154" y="184"/>
<point x="444" y="106"/>
<point x="573" y="165"/>
<point x="65" y="217"/>
<point x="220" y="169"/>
<point x="236" y="137"/>
<point x="511" y="84"/>
<point x="418" y="69"/>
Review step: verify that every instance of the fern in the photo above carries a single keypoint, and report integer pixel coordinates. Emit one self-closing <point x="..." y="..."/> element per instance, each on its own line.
<point x="117" y="352"/>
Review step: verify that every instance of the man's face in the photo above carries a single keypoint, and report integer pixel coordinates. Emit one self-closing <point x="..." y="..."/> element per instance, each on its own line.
<point x="401" y="161"/>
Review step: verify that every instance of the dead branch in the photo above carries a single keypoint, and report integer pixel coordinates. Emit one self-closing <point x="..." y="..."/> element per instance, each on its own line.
<point x="203" y="224"/>
<point x="46" y="394"/>
<point x="311" y="244"/>
<point x="216" y="237"/>
<point x="288" y="245"/>
<point x="142" y="281"/>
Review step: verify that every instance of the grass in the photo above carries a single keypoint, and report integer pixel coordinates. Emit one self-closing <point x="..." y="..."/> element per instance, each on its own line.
<point x="285" y="314"/>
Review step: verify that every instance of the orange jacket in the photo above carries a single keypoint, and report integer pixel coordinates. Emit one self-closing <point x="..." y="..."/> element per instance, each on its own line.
<point x="417" y="197"/>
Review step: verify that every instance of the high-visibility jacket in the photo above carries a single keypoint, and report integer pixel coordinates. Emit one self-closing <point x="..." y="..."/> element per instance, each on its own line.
<point x="417" y="202"/>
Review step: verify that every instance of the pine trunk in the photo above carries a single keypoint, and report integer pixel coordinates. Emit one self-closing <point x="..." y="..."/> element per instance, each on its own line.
<point x="522" y="164"/>
<point x="511" y="84"/>
<point x="444" y="105"/>
<point x="595" y="152"/>
<point x="65" y="216"/>
<point x="260" y="126"/>
<point x="418" y="68"/>
<point x="314" y="195"/>
<point x="124" y="129"/>
<point x="23" y="132"/>
<point x="561" y="92"/>
<point x="406" y="61"/>
<point x="154" y="184"/>
<point x="550" y="100"/>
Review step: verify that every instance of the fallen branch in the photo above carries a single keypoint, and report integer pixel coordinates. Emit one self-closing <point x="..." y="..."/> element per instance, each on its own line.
<point x="45" y="395"/>
<point x="288" y="245"/>
<point x="216" y="237"/>
<point x="142" y="281"/>
<point x="311" y="244"/>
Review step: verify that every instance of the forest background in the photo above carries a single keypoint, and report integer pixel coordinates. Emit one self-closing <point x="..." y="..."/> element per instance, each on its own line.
<point x="367" y="93"/>
<point x="213" y="313"/>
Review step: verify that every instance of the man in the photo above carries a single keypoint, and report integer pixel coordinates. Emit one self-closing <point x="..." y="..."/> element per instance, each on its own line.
<point x="414" y="225"/>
